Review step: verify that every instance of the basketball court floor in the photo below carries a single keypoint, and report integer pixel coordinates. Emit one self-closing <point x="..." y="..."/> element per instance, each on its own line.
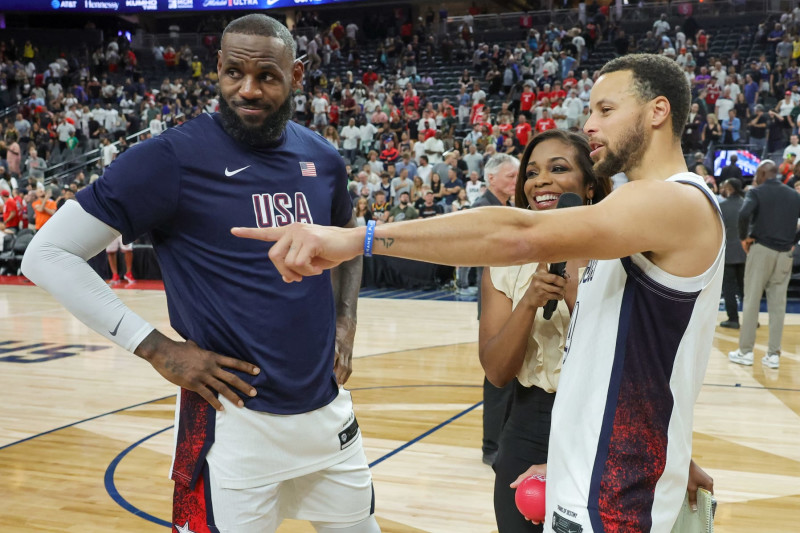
<point x="86" y="431"/>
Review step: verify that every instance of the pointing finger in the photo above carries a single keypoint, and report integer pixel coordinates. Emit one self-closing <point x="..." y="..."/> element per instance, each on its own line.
<point x="261" y="234"/>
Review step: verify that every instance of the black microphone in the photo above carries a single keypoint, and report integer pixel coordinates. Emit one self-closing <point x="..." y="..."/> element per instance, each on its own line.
<point x="568" y="199"/>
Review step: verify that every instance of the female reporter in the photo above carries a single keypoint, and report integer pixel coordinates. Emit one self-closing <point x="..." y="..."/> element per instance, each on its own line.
<point x="516" y="342"/>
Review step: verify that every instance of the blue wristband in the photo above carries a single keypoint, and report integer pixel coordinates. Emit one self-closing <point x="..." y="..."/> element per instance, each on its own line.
<point x="368" y="238"/>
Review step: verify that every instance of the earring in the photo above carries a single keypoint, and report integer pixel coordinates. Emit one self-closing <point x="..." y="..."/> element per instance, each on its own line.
<point x="589" y="202"/>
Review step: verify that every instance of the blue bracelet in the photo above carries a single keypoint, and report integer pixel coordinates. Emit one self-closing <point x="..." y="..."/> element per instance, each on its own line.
<point x="368" y="238"/>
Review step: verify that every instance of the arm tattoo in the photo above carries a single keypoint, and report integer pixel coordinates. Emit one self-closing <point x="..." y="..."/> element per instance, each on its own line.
<point x="386" y="241"/>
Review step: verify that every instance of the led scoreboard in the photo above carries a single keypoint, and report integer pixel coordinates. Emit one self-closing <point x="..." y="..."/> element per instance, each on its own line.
<point x="164" y="6"/>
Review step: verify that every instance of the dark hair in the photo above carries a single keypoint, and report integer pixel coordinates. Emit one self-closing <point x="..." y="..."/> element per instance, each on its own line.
<point x="602" y="186"/>
<point x="258" y="24"/>
<point x="653" y="76"/>
<point x="736" y="185"/>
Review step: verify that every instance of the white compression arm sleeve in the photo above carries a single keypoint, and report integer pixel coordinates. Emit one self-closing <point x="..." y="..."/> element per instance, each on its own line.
<point x="56" y="261"/>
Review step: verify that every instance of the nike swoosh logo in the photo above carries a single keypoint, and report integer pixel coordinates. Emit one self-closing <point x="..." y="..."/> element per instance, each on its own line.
<point x="114" y="333"/>
<point x="271" y="2"/>
<point x="230" y="173"/>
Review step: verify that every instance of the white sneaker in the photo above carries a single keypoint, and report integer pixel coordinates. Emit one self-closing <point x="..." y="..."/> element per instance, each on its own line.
<point x="771" y="360"/>
<point x="741" y="358"/>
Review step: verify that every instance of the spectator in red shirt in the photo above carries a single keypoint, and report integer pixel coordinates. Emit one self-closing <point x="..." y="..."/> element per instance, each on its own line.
<point x="545" y="123"/>
<point x="478" y="115"/>
<point x="170" y="58"/>
<point x="505" y="125"/>
<point x="702" y="41"/>
<point x="410" y="99"/>
<point x="11" y="215"/>
<point x="390" y="155"/>
<point x="338" y="30"/>
<point x="523" y="131"/>
<point x="526" y="100"/>
<point x="544" y="93"/>
<point x="406" y="32"/>
<point x="570" y="80"/>
<point x="333" y="114"/>
<point x="557" y="92"/>
<point x="713" y="92"/>
<point x="369" y="77"/>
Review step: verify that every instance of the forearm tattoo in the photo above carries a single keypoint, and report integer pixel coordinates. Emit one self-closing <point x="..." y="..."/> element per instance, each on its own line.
<point x="386" y="241"/>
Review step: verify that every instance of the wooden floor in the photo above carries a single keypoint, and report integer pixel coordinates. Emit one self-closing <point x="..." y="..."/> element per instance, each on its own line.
<point x="85" y="434"/>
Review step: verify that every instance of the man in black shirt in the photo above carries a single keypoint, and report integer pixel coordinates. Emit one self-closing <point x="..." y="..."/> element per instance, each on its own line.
<point x="731" y="170"/>
<point x="429" y="208"/>
<point x="758" y="131"/>
<point x="733" y="277"/>
<point x="621" y="43"/>
<point x="767" y="227"/>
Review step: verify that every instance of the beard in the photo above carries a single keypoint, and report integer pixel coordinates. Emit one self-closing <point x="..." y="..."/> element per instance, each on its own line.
<point x="259" y="134"/>
<point x="632" y="147"/>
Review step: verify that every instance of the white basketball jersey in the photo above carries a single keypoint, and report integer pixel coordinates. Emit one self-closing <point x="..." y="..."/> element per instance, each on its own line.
<point x="634" y="362"/>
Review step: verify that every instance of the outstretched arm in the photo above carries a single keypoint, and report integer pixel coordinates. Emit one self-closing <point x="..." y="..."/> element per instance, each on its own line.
<point x="631" y="220"/>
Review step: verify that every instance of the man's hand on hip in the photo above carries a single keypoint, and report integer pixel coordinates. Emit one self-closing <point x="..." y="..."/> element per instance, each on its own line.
<point x="187" y="365"/>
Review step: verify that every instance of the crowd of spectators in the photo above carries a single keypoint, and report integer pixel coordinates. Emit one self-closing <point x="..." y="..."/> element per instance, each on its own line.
<point x="412" y="148"/>
<point x="397" y="138"/>
<point x="739" y="103"/>
<point x="75" y="117"/>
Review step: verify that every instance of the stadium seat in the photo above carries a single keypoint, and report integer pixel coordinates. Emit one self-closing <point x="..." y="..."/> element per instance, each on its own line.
<point x="11" y="260"/>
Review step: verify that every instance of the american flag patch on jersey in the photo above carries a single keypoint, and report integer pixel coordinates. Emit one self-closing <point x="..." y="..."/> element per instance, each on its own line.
<point x="307" y="169"/>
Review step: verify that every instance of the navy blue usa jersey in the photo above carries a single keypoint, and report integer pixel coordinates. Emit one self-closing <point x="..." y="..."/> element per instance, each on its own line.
<point x="187" y="188"/>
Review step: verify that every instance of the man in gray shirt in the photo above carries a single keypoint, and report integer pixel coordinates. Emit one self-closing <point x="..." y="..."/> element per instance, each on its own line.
<point x="783" y="51"/>
<point x="767" y="229"/>
<point x="443" y="168"/>
<point x="474" y="160"/>
<point x="35" y="165"/>
<point x="22" y="126"/>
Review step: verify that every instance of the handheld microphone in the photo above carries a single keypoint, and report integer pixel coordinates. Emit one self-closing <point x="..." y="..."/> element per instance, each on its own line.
<point x="568" y="199"/>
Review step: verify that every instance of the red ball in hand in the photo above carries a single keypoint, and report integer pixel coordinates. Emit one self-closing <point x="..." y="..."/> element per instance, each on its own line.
<point x="530" y="498"/>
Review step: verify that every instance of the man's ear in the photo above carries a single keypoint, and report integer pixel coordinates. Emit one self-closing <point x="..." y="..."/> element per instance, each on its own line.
<point x="661" y="112"/>
<point x="297" y="74"/>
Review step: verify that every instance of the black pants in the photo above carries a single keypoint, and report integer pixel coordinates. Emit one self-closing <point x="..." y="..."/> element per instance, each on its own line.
<point x="523" y="443"/>
<point x="495" y="402"/>
<point x="733" y="286"/>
